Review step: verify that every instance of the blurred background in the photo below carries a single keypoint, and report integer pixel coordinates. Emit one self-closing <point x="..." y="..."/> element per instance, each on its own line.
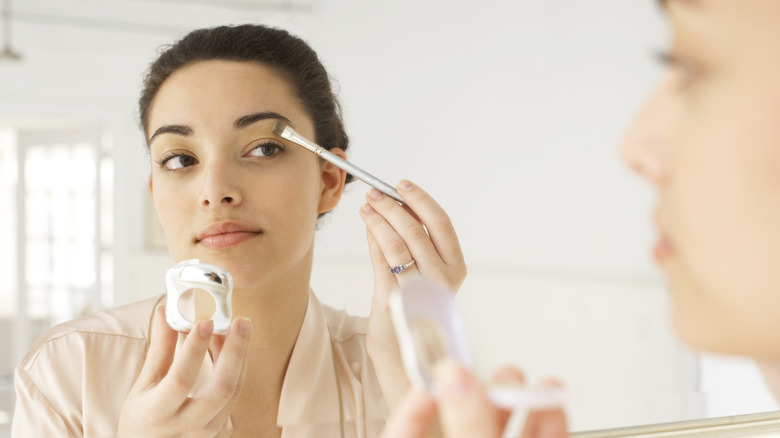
<point x="508" y="113"/>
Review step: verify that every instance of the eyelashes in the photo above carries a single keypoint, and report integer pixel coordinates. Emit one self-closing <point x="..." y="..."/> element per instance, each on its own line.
<point x="169" y="161"/>
<point x="263" y="149"/>
<point x="267" y="149"/>
<point x="686" y="71"/>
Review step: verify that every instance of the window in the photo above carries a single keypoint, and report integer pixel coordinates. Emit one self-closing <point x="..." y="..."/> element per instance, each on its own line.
<point x="56" y="191"/>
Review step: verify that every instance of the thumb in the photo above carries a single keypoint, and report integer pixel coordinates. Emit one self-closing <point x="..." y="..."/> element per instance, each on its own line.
<point x="464" y="408"/>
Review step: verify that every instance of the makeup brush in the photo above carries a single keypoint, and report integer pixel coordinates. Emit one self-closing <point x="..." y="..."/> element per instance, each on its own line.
<point x="285" y="131"/>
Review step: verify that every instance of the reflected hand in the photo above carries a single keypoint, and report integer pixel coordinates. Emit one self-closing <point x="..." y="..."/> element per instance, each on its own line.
<point x="159" y="404"/>
<point x="420" y="231"/>
<point x="465" y="411"/>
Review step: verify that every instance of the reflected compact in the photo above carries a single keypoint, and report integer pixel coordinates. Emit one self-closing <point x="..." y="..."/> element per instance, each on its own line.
<point x="198" y="291"/>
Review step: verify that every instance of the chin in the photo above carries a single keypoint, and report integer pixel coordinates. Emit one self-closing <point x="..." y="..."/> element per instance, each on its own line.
<point x="722" y="333"/>
<point x="698" y="328"/>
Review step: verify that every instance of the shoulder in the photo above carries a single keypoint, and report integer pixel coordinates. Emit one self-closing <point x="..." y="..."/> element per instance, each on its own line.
<point x="128" y="324"/>
<point x="61" y="385"/>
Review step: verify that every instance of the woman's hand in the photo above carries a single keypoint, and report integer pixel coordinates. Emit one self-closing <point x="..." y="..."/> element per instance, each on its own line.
<point x="464" y="410"/>
<point x="420" y="231"/>
<point x="159" y="404"/>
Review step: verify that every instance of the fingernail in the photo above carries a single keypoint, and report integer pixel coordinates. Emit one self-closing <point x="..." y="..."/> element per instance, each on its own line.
<point x="367" y="209"/>
<point x="205" y="328"/>
<point x="451" y="379"/>
<point x="245" y="326"/>
<point x="405" y="185"/>
<point x="375" y="194"/>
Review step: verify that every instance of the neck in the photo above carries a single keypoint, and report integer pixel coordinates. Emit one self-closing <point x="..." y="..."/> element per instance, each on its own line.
<point x="277" y="308"/>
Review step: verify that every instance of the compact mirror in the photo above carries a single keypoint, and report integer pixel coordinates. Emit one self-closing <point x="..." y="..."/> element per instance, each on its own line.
<point x="429" y="328"/>
<point x="198" y="291"/>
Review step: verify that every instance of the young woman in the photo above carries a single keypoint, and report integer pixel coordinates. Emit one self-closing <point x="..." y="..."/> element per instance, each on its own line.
<point x="231" y="193"/>
<point x="709" y="142"/>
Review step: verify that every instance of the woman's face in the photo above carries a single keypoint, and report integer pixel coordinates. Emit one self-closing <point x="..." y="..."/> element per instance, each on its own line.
<point x="227" y="190"/>
<point x="709" y="141"/>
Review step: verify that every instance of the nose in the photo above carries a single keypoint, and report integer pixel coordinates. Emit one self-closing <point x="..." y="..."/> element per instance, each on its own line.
<point x="220" y="186"/>
<point x="644" y="145"/>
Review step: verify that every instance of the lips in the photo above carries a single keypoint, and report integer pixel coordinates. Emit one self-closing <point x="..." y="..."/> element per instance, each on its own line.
<point x="221" y="235"/>
<point x="663" y="247"/>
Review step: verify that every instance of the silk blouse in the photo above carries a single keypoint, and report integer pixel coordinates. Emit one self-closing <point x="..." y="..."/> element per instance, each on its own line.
<point x="76" y="377"/>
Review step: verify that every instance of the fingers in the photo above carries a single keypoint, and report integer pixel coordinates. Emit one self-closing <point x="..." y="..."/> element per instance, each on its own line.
<point x="167" y="403"/>
<point x="162" y="347"/>
<point x="397" y="234"/>
<point x="507" y="374"/>
<point x="224" y="387"/>
<point x="217" y="342"/>
<point x="382" y="266"/>
<point x="463" y="405"/>
<point x="420" y="230"/>
<point x="546" y="424"/>
<point x="181" y="377"/>
<point x="437" y="222"/>
<point x="413" y="417"/>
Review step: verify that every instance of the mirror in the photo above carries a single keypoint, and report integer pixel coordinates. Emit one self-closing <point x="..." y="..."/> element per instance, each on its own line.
<point x="509" y="113"/>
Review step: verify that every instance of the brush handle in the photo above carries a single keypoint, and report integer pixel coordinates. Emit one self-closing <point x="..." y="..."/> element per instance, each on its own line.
<point x="287" y="132"/>
<point x="361" y="174"/>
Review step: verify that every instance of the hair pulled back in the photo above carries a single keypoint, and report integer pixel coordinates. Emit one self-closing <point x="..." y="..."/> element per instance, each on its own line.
<point x="271" y="47"/>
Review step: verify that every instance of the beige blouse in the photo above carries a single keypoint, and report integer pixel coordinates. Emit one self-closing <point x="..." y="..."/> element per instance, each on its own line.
<point x="74" y="380"/>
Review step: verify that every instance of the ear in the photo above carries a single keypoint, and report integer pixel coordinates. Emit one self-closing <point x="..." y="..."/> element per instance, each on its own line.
<point x="333" y="181"/>
<point x="151" y="192"/>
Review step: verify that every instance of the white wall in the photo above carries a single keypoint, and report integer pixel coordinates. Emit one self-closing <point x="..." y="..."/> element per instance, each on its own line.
<point x="509" y="113"/>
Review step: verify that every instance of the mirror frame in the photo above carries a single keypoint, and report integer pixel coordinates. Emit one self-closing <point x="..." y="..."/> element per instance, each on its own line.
<point x="765" y="424"/>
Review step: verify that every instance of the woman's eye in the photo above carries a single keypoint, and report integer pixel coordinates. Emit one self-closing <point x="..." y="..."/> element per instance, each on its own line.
<point x="685" y="71"/>
<point x="268" y="149"/>
<point x="176" y="162"/>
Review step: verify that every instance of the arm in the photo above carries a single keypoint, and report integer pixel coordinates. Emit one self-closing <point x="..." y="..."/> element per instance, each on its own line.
<point x="420" y="231"/>
<point x="34" y="414"/>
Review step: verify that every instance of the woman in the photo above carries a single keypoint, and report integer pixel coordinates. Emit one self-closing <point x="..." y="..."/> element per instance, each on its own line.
<point x="231" y="193"/>
<point x="709" y="142"/>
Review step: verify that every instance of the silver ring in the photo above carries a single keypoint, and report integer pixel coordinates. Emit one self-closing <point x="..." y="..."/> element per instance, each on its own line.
<point x="395" y="270"/>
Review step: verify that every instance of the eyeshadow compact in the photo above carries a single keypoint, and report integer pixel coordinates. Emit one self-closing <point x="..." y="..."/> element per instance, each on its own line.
<point x="429" y="328"/>
<point x="198" y="291"/>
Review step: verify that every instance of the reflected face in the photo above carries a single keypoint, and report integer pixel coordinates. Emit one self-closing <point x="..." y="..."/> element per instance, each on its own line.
<point x="708" y="139"/>
<point x="227" y="190"/>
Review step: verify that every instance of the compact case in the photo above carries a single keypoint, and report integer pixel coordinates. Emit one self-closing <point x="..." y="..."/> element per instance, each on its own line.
<point x="191" y="275"/>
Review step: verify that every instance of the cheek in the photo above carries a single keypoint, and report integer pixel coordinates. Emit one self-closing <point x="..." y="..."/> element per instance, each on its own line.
<point x="725" y="193"/>
<point x="729" y="181"/>
<point x="171" y="208"/>
<point x="293" y="193"/>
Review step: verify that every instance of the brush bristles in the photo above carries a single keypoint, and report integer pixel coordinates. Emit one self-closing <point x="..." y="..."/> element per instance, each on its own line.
<point x="278" y="127"/>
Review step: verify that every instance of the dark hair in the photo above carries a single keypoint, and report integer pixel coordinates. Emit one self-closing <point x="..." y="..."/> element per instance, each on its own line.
<point x="271" y="47"/>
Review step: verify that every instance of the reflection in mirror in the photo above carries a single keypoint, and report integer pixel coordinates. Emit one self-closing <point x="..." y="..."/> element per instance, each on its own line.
<point x="467" y="101"/>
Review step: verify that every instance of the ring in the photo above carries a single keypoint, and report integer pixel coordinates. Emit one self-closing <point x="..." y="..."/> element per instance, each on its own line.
<point x="400" y="268"/>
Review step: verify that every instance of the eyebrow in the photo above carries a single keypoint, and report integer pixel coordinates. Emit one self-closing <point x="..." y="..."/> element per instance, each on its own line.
<point x="240" y="123"/>
<point x="247" y="120"/>
<point x="664" y="4"/>
<point x="171" y="129"/>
